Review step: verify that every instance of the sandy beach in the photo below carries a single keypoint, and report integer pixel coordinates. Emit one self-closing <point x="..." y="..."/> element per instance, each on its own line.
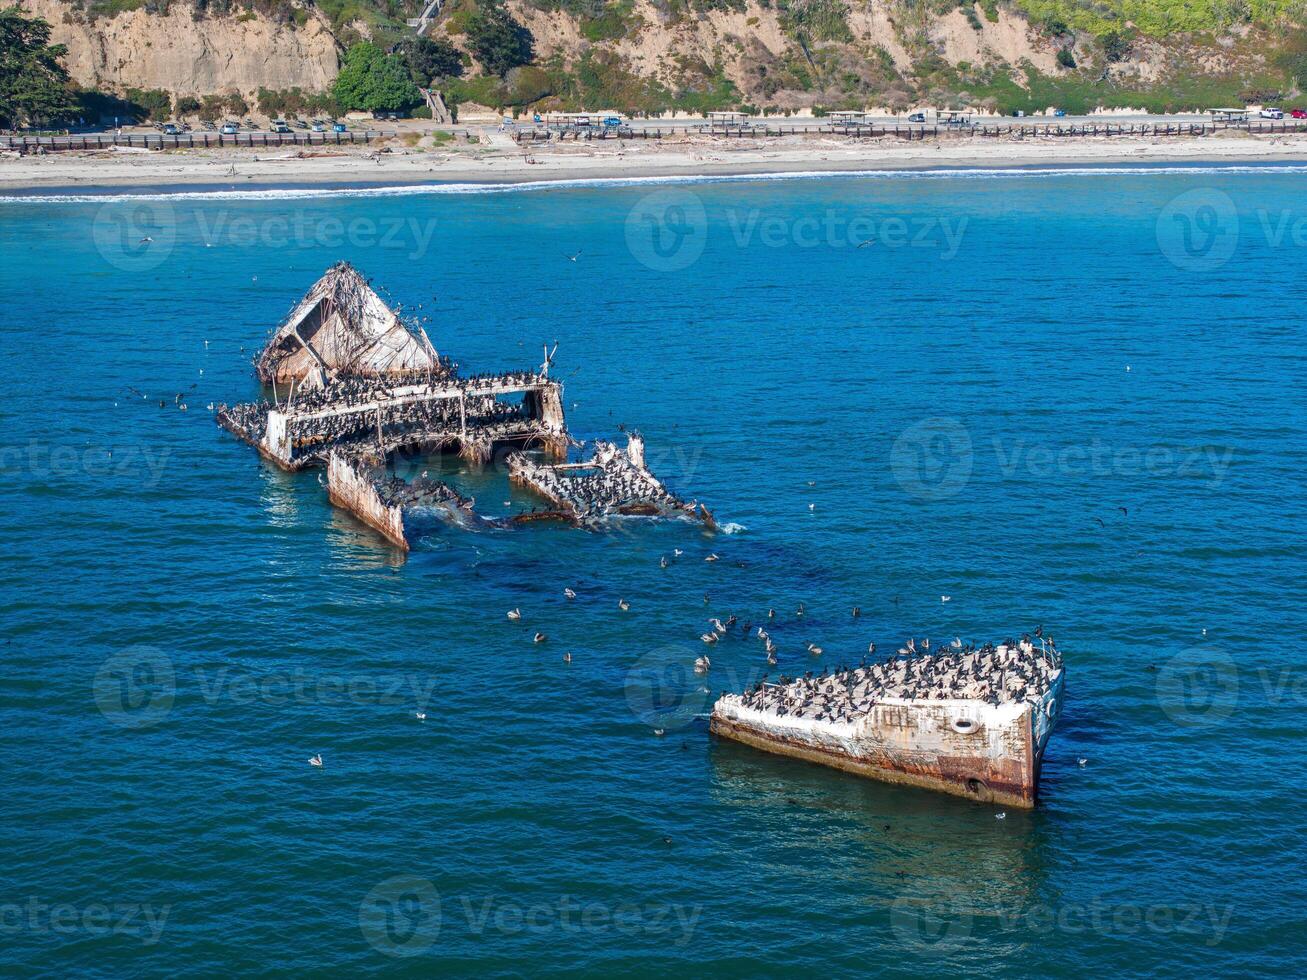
<point x="498" y="159"/>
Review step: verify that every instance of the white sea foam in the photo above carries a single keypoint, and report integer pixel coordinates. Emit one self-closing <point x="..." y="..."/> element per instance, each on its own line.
<point x="474" y="187"/>
<point x="730" y="527"/>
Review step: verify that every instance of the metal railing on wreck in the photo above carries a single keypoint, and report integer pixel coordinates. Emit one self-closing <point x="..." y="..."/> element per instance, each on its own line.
<point x="159" y="141"/>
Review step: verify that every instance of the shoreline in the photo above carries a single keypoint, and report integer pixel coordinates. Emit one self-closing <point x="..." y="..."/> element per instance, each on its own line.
<point x="106" y="173"/>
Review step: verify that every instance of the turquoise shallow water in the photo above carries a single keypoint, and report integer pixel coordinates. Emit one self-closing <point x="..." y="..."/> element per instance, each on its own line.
<point x="966" y="403"/>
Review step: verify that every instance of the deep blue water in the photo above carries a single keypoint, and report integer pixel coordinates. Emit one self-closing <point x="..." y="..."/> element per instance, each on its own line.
<point x="1072" y="400"/>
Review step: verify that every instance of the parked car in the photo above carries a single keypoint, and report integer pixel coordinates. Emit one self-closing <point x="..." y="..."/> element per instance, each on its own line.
<point x="1272" y="113"/>
<point x="1299" y="113"/>
<point x="917" y="117"/>
<point x="339" y="128"/>
<point x="612" y="121"/>
<point x="318" y="126"/>
<point x="279" y="126"/>
<point x="229" y="129"/>
<point x="1059" y="113"/>
<point x="170" y="129"/>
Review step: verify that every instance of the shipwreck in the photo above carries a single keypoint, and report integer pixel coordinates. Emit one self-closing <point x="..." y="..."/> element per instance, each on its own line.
<point x="352" y="384"/>
<point x="971" y="722"/>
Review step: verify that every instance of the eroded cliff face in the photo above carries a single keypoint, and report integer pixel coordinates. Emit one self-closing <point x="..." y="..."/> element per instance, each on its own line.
<point x="186" y="56"/>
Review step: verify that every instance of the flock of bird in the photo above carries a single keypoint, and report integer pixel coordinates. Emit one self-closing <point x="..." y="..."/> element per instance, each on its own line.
<point x="1009" y="672"/>
<point x="610" y="484"/>
<point x="422" y="491"/>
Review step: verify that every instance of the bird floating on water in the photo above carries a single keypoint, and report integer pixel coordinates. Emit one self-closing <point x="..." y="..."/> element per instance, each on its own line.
<point x="1001" y="816"/>
<point x="702" y="665"/>
<point x="677" y="552"/>
<point x="421" y="715"/>
<point x="515" y="614"/>
<point x="709" y="638"/>
<point x="623" y="605"/>
<point x="815" y="650"/>
<point x="540" y="638"/>
<point x="659" y="731"/>
<point x="712" y="557"/>
<point x="567" y="657"/>
<point x="1082" y="762"/>
<point x="662" y="562"/>
<point x="316" y="760"/>
<point x="946" y="598"/>
<point x="569" y="593"/>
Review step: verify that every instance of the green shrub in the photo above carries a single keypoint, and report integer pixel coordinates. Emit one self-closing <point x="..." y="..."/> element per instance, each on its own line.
<point x="1115" y="44"/>
<point x="1065" y="58"/>
<point x="155" y="101"/>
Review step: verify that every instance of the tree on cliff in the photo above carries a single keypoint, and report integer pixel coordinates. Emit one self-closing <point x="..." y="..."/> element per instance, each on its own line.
<point x="428" y="59"/>
<point x="373" y="81"/>
<point x="499" y="42"/>
<point x="33" y="84"/>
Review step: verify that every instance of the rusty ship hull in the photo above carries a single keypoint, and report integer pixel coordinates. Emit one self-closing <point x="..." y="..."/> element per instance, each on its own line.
<point x="974" y="749"/>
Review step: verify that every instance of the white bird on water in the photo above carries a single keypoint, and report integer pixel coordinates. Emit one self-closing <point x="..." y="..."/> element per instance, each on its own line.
<point x="420" y="715"/>
<point x="316" y="760"/>
<point x="712" y="557"/>
<point x="709" y="638"/>
<point x="658" y="731"/>
<point x="540" y="638"/>
<point x="946" y="598"/>
<point x="1082" y="762"/>
<point x="623" y="605"/>
<point x="1001" y="815"/>
<point x="515" y="614"/>
<point x="569" y="593"/>
<point x="677" y="552"/>
<point x="702" y="665"/>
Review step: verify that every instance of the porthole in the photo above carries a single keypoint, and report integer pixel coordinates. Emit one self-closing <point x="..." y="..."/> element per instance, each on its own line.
<point x="965" y="726"/>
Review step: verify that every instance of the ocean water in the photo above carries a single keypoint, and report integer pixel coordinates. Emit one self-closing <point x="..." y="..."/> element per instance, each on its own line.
<point x="1072" y="398"/>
